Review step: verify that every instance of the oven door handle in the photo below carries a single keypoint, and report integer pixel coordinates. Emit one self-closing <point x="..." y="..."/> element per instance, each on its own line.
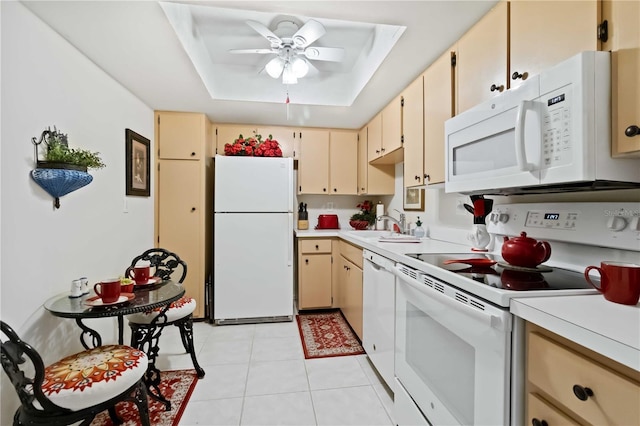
<point x="487" y="319"/>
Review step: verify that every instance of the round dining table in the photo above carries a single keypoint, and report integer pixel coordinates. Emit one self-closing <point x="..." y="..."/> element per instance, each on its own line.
<point x="143" y="299"/>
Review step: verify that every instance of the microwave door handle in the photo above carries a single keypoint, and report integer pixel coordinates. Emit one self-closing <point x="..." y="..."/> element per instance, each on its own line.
<point x="521" y="155"/>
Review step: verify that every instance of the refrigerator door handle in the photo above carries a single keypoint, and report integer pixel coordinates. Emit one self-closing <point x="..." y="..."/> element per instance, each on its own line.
<point x="290" y="244"/>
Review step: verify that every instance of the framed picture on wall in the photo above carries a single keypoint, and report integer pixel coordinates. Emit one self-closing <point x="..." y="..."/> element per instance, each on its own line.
<point x="413" y="199"/>
<point x="137" y="164"/>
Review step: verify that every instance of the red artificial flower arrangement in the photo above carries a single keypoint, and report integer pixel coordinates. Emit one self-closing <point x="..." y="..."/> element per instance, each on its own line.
<point x="253" y="146"/>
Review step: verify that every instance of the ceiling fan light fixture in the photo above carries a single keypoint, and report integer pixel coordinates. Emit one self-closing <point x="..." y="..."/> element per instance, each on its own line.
<point x="274" y="67"/>
<point x="299" y="67"/>
<point x="288" y="77"/>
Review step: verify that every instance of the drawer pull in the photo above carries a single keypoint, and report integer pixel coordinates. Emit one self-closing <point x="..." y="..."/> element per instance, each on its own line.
<point x="306" y="261"/>
<point x="536" y="422"/>
<point x="582" y="393"/>
<point x="316" y="247"/>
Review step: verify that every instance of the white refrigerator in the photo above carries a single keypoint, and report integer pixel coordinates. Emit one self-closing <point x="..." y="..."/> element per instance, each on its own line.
<point x="253" y="239"/>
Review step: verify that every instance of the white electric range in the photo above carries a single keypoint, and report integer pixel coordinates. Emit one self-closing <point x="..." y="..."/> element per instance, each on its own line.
<point x="459" y="352"/>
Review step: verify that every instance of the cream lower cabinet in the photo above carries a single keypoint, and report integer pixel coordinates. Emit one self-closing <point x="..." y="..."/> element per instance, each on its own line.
<point x="184" y="204"/>
<point x="569" y="384"/>
<point x="349" y="288"/>
<point x="623" y="19"/>
<point x="314" y="273"/>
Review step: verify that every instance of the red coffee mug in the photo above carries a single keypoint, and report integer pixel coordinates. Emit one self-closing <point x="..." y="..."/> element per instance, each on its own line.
<point x="140" y="274"/>
<point x="619" y="281"/>
<point x="109" y="290"/>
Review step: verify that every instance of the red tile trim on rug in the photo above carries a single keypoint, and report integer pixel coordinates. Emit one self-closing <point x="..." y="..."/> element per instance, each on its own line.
<point x="176" y="385"/>
<point x="327" y="334"/>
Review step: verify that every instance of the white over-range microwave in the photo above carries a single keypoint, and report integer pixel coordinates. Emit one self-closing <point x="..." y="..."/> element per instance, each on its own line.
<point x="551" y="134"/>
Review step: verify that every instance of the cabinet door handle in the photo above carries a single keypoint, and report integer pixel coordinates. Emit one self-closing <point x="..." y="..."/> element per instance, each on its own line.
<point x="582" y="393"/>
<point x="417" y="178"/>
<point x="516" y="75"/>
<point x="536" y="422"/>
<point x="324" y="189"/>
<point x="193" y="154"/>
<point x="632" y="131"/>
<point x="374" y="346"/>
<point x="377" y="151"/>
<point x="382" y="150"/>
<point x="317" y="247"/>
<point x="495" y="87"/>
<point x="306" y="261"/>
<point x="193" y="209"/>
<point x="335" y="190"/>
<point x="427" y="177"/>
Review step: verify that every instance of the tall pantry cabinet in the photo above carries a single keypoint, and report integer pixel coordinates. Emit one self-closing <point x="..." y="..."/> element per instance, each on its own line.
<point x="184" y="195"/>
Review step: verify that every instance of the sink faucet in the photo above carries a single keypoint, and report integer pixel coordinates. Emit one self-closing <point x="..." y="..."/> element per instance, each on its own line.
<point x="401" y="223"/>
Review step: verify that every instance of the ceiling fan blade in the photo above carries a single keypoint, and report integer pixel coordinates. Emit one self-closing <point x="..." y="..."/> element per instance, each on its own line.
<point x="310" y="32"/>
<point x="334" y="54"/>
<point x="259" y="51"/>
<point x="265" y="32"/>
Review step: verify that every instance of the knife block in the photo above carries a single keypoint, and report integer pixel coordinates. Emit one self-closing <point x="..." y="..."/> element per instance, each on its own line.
<point x="303" y="224"/>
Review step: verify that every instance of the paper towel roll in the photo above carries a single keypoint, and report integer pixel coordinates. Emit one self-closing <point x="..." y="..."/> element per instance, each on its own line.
<point x="381" y="223"/>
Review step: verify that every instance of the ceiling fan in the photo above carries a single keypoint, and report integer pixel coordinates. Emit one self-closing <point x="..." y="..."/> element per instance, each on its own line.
<point x="291" y="45"/>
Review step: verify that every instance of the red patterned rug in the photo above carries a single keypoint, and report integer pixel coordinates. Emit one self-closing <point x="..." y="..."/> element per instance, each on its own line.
<point x="326" y="334"/>
<point x="176" y="386"/>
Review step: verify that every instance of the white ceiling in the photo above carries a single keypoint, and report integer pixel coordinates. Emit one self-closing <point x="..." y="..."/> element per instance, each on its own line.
<point x="134" y="42"/>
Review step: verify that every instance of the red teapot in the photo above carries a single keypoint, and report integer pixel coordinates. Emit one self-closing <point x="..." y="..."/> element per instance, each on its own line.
<point x="524" y="251"/>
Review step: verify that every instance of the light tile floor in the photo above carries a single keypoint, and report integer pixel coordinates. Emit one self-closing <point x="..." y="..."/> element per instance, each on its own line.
<point x="256" y="374"/>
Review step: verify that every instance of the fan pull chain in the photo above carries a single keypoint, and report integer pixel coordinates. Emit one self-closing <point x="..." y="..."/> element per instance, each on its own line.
<point x="287" y="102"/>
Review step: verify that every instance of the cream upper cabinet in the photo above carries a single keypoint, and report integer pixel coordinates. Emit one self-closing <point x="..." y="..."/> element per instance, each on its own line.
<point x="373" y="179"/>
<point x="438" y="108"/>
<point x="286" y="137"/>
<point x="363" y="161"/>
<point x="623" y="20"/>
<point x="228" y="133"/>
<point x="392" y="126"/>
<point x="182" y="135"/>
<point x="343" y="161"/>
<point x="374" y="137"/>
<point x="413" y="131"/>
<point x="313" y="166"/>
<point x="481" y="59"/>
<point x="544" y="33"/>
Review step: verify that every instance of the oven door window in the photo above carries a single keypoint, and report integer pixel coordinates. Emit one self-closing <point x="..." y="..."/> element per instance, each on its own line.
<point x="453" y="362"/>
<point x="448" y="367"/>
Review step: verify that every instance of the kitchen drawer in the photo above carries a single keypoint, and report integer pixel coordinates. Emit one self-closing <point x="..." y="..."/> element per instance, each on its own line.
<point x="540" y="410"/>
<point x="351" y="252"/>
<point x="555" y="370"/>
<point x="307" y="246"/>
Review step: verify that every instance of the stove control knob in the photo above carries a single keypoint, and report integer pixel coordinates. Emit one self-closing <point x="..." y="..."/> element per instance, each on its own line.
<point x="504" y="218"/>
<point x="616" y="223"/>
<point x="494" y="217"/>
<point x="635" y="223"/>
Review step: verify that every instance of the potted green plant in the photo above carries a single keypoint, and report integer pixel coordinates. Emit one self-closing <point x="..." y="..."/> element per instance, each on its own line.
<point x="58" y="155"/>
<point x="365" y="218"/>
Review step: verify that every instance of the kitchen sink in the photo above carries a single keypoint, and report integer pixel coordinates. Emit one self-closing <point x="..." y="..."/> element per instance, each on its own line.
<point x="370" y="233"/>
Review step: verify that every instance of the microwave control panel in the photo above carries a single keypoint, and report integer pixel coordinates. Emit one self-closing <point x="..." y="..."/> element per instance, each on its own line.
<point x="556" y="129"/>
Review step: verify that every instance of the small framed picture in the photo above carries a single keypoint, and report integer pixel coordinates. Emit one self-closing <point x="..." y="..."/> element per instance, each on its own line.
<point x="413" y="199"/>
<point x="137" y="164"/>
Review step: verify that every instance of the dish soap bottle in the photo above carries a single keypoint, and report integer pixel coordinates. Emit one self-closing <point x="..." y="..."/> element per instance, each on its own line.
<point x="418" y="232"/>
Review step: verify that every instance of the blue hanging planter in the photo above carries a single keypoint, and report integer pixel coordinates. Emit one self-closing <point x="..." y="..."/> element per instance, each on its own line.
<point x="60" y="178"/>
<point x="59" y="182"/>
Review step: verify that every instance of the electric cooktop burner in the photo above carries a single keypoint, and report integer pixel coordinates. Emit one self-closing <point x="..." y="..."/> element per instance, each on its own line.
<point x="477" y="267"/>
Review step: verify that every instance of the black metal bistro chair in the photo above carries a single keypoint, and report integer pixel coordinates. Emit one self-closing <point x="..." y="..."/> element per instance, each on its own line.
<point x="75" y="388"/>
<point x="180" y="313"/>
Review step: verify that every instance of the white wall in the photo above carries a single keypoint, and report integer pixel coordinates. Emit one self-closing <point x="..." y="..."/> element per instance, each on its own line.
<point x="47" y="82"/>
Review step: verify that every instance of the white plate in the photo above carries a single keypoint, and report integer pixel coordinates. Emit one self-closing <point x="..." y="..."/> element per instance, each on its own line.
<point x="97" y="301"/>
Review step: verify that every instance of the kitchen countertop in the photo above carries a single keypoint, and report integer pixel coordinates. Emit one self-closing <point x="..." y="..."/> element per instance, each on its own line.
<point x="608" y="328"/>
